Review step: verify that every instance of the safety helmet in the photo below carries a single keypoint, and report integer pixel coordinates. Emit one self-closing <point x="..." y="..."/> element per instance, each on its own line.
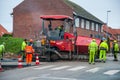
<point x="105" y="40"/>
<point x="25" y="39"/>
<point x="31" y="40"/>
<point x="93" y="40"/>
<point x="115" y="41"/>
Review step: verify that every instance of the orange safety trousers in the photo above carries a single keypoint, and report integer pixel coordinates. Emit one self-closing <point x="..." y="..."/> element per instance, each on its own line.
<point x="29" y="52"/>
<point x="28" y="58"/>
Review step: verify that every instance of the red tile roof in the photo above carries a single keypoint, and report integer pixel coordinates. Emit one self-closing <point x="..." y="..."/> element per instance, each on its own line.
<point x="2" y="30"/>
<point x="107" y="29"/>
<point x="116" y="31"/>
<point x="111" y="31"/>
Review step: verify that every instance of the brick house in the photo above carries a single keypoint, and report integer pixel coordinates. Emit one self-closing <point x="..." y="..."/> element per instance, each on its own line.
<point x="27" y="22"/>
<point x="2" y="30"/>
<point x="113" y="34"/>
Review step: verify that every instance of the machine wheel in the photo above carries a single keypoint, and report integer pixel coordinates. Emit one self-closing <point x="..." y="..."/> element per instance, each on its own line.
<point x="54" y="57"/>
<point x="51" y="56"/>
<point x="48" y="57"/>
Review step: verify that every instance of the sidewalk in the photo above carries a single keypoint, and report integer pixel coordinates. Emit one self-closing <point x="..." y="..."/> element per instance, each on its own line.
<point x="14" y="62"/>
<point x="11" y="64"/>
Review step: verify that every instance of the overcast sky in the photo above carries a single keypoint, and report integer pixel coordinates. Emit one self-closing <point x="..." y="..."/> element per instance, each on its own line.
<point x="98" y="8"/>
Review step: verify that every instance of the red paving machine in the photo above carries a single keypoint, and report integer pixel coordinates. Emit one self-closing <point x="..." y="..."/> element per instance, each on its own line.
<point x="63" y="41"/>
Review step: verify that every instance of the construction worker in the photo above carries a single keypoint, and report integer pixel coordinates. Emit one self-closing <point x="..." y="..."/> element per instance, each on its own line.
<point x="50" y="27"/>
<point x="37" y="45"/>
<point x="24" y="43"/>
<point x="43" y="41"/>
<point x="2" y="50"/>
<point x="31" y="43"/>
<point x="103" y="49"/>
<point x="29" y="53"/>
<point x="115" y="50"/>
<point x="60" y="28"/>
<point x="93" y="47"/>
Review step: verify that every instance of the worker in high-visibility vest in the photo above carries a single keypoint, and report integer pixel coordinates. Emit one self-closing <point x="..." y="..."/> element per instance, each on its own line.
<point x="2" y="50"/>
<point x="103" y="49"/>
<point x="29" y="53"/>
<point x="43" y="41"/>
<point x="24" y="43"/>
<point x="61" y="31"/>
<point x="93" y="47"/>
<point x="115" y="50"/>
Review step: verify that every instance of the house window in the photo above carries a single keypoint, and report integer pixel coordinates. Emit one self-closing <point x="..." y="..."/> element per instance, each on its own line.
<point x="77" y="21"/>
<point x="118" y="37"/>
<point x="101" y="28"/>
<point x="96" y="27"/>
<point x="82" y="23"/>
<point x="92" y="27"/>
<point x="87" y="25"/>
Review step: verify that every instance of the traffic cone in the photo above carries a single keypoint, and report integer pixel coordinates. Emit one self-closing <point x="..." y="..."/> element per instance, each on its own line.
<point x="37" y="60"/>
<point x="20" y="62"/>
<point x="1" y="69"/>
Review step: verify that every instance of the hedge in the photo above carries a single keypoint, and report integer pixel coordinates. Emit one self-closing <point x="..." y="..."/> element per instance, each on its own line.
<point x="12" y="45"/>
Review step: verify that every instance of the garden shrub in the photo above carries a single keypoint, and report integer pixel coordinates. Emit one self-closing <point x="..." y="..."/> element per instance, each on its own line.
<point x="12" y="45"/>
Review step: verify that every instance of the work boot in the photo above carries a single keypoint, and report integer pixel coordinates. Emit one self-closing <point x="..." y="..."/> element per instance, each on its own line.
<point x="29" y="64"/>
<point x="115" y="60"/>
<point x="100" y="60"/>
<point x="89" y="63"/>
<point x="26" y="64"/>
<point x="103" y="61"/>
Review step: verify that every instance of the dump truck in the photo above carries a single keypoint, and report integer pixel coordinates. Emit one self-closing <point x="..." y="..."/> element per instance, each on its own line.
<point x="63" y="43"/>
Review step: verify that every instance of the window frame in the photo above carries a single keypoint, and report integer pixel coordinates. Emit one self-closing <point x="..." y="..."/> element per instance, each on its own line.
<point x="92" y="26"/>
<point x="87" y="24"/>
<point x="77" y="22"/>
<point x="82" y="23"/>
<point x="96" y="27"/>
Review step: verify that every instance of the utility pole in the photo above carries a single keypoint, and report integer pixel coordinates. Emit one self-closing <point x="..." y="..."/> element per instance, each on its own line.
<point x="107" y="16"/>
<point x="108" y="40"/>
<point x="107" y="22"/>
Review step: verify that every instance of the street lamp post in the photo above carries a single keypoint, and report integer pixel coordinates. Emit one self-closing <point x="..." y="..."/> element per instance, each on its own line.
<point x="107" y="31"/>
<point x="107" y="23"/>
<point x="107" y="16"/>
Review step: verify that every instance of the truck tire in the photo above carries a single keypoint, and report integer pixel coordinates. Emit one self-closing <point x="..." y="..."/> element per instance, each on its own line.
<point x="48" y="57"/>
<point x="54" y="57"/>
